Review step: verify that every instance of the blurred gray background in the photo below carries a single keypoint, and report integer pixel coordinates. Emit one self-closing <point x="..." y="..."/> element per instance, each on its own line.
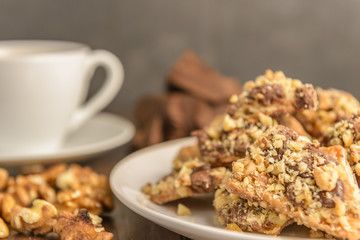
<point x="315" y="41"/>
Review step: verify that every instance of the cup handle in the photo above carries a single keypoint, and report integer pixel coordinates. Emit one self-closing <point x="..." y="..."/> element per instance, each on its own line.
<point x="113" y="82"/>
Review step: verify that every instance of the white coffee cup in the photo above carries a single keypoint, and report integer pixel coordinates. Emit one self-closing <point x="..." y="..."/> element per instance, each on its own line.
<point x="43" y="85"/>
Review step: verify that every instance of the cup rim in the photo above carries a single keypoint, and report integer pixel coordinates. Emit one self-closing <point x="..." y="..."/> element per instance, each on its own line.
<point x="29" y="48"/>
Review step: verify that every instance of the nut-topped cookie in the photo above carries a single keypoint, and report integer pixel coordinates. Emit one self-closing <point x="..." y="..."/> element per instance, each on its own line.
<point x="270" y="99"/>
<point x="246" y="215"/>
<point x="227" y="139"/>
<point x="347" y="134"/>
<point x="194" y="177"/>
<point x="273" y="94"/>
<point x="183" y="156"/>
<point x="334" y="105"/>
<point x="295" y="177"/>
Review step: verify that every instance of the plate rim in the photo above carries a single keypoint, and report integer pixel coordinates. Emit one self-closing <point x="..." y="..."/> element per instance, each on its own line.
<point x="79" y="152"/>
<point x="168" y="221"/>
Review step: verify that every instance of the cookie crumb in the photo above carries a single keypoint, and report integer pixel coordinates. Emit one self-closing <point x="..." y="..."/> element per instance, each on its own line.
<point x="182" y="210"/>
<point x="233" y="227"/>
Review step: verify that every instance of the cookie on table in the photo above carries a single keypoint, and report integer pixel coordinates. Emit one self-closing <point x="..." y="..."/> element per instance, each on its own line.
<point x="295" y="177"/>
<point x="273" y="94"/>
<point x="334" y="105"/>
<point x="246" y="215"/>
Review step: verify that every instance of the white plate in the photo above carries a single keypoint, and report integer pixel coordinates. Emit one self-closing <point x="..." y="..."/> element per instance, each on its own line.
<point x="148" y="165"/>
<point x="103" y="132"/>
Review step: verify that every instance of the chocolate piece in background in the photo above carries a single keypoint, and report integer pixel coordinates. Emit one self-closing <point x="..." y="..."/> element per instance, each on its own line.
<point x="185" y="113"/>
<point x="192" y="75"/>
<point x="180" y="109"/>
<point x="195" y="95"/>
<point x="149" y="120"/>
<point x="204" y="113"/>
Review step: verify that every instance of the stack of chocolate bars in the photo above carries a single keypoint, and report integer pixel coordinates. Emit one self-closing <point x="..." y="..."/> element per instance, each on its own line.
<point x="195" y="94"/>
<point x="283" y="152"/>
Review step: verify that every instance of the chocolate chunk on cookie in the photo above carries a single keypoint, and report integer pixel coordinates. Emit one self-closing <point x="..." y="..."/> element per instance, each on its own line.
<point x="334" y="105"/>
<point x="248" y="216"/>
<point x="190" y="176"/>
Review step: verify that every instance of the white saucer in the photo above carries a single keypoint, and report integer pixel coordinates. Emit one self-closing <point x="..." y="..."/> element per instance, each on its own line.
<point x="102" y="133"/>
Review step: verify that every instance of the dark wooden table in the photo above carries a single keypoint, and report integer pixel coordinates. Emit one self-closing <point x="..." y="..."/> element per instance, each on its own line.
<point x="122" y="222"/>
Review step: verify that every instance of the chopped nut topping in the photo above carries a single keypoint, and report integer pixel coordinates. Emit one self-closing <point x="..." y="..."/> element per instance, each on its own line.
<point x="347" y="134"/>
<point x="297" y="190"/>
<point x="241" y="215"/>
<point x="334" y="105"/>
<point x="251" y="113"/>
<point x="275" y="94"/>
<point x="236" y="135"/>
<point x="192" y="178"/>
<point x="326" y="177"/>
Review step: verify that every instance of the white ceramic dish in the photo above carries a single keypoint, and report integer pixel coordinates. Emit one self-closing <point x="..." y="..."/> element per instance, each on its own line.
<point x="103" y="132"/>
<point x="148" y="165"/>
